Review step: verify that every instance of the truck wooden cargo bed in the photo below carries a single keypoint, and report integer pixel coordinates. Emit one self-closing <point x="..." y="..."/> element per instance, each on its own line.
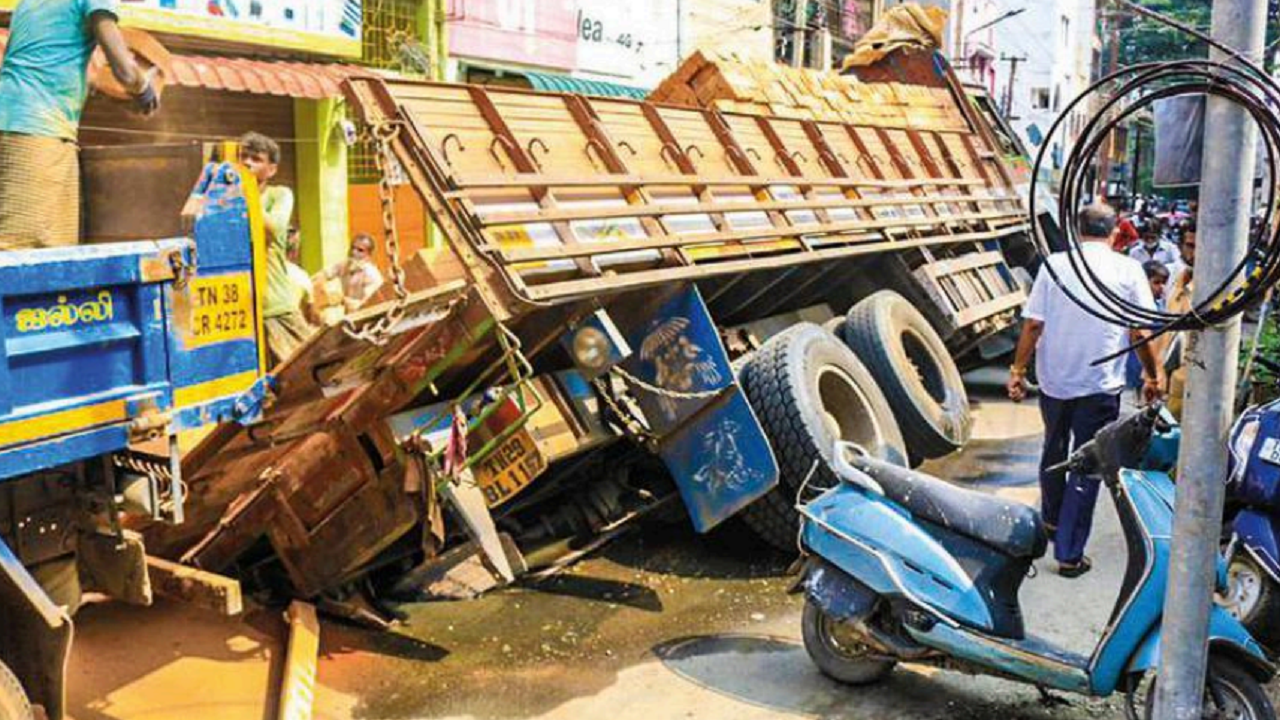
<point x="553" y="206"/>
<point x="548" y="198"/>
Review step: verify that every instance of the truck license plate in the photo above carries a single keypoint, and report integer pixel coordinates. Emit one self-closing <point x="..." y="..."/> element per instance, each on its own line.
<point x="509" y="468"/>
<point x="222" y="309"/>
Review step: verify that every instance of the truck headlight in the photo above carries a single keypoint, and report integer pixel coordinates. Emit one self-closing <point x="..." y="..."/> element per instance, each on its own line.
<point x="591" y="348"/>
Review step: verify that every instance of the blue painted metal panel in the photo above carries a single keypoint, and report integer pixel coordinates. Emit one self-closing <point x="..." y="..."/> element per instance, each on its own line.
<point x="49" y="270"/>
<point x="837" y="593"/>
<point x="73" y="343"/>
<point x="90" y="339"/>
<point x="1152" y="496"/>
<point x="213" y="331"/>
<point x="1032" y="659"/>
<point x="886" y="550"/>
<point x="26" y="459"/>
<point x="222" y="231"/>
<point x="714" y="447"/>
<point x="80" y="328"/>
<point x="1258" y="532"/>
<point x="1224" y="630"/>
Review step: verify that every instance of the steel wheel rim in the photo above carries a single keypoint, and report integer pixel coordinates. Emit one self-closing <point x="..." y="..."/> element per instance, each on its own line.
<point x="926" y="370"/>
<point x="847" y="413"/>
<point x="841" y="639"/>
<point x="1244" y="590"/>
<point x="1225" y="701"/>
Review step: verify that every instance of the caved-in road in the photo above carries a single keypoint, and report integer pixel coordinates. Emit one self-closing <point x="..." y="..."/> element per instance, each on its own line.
<point x="661" y="624"/>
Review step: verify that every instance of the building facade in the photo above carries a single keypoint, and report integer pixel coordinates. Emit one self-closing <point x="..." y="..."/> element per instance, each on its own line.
<point x="1057" y="46"/>
<point x="819" y="33"/>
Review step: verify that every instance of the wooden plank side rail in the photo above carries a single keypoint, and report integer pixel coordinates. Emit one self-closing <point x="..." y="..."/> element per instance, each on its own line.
<point x="558" y="192"/>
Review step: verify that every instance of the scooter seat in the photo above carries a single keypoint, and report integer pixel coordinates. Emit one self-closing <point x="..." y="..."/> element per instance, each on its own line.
<point x="1010" y="527"/>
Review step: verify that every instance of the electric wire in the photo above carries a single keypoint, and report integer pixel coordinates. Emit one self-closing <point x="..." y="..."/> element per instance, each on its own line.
<point x="1119" y="96"/>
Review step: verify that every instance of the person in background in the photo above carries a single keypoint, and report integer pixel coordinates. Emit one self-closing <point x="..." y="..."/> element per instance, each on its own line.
<point x="1077" y="396"/>
<point x="1180" y="269"/>
<point x="1179" y="296"/>
<point x="44" y="84"/>
<point x="1158" y="278"/>
<point x="293" y="255"/>
<point x="1125" y="236"/>
<point x="285" y="325"/>
<point x="359" y="276"/>
<point x="1154" y="247"/>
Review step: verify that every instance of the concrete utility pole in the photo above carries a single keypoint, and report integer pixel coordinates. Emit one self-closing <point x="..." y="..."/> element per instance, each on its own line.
<point x="1013" y="61"/>
<point x="1226" y="182"/>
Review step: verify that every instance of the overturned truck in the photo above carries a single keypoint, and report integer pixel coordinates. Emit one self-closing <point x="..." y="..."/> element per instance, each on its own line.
<point x="637" y="305"/>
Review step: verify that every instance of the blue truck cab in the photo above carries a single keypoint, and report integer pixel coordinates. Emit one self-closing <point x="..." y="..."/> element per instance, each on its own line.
<point x="112" y="356"/>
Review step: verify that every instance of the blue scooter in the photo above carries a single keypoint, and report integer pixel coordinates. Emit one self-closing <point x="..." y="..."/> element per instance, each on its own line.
<point x="906" y="567"/>
<point x="1251" y="532"/>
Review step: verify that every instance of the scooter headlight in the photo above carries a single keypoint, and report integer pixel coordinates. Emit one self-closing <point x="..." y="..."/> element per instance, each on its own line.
<point x="1243" y="435"/>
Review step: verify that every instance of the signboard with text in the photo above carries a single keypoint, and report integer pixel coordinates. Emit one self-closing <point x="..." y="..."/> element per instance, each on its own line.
<point x="631" y="41"/>
<point x="330" y="27"/>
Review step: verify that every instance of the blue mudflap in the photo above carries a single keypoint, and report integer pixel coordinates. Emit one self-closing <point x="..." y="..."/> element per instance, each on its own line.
<point x="713" y="446"/>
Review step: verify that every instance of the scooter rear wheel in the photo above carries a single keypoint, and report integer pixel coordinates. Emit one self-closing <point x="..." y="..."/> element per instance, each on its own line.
<point x="835" y="649"/>
<point x="1230" y="693"/>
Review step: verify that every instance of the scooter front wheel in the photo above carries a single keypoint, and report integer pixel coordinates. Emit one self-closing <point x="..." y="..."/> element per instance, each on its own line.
<point x="838" y="651"/>
<point x="1252" y="598"/>
<point x="1230" y="693"/>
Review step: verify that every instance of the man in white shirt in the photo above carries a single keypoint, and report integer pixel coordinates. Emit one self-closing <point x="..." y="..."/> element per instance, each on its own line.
<point x="1077" y="398"/>
<point x="1153" y="246"/>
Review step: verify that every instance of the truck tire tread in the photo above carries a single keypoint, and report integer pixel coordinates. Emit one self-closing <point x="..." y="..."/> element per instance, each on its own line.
<point x="930" y="428"/>
<point x="13" y="699"/>
<point x="769" y="386"/>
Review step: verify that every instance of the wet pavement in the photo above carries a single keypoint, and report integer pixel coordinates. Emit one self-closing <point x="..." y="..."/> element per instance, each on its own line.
<point x="661" y="624"/>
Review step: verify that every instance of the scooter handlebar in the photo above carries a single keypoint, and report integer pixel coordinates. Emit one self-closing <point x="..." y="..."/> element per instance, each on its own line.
<point x="1112" y="445"/>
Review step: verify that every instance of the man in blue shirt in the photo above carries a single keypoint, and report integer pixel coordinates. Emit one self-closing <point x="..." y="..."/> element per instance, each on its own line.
<point x="43" y="87"/>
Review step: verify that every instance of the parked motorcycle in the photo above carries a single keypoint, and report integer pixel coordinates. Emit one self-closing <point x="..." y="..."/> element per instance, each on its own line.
<point x="906" y="567"/>
<point x="1251" y="524"/>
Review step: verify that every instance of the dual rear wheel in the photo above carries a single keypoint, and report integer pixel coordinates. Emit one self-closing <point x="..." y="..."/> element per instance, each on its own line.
<point x="880" y="377"/>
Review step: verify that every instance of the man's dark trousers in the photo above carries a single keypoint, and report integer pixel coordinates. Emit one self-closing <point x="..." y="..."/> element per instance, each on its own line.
<point x="1067" y="502"/>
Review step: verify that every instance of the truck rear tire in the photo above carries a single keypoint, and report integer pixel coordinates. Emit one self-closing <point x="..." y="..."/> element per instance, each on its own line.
<point x="916" y="372"/>
<point x="808" y="389"/>
<point x="13" y="700"/>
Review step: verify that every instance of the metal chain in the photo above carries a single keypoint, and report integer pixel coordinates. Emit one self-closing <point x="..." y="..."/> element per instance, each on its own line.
<point x="631" y="425"/>
<point x="665" y="392"/>
<point x="142" y="465"/>
<point x="377" y="331"/>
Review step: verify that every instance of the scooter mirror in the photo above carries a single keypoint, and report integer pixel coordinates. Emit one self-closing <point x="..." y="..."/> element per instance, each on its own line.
<point x="847" y="472"/>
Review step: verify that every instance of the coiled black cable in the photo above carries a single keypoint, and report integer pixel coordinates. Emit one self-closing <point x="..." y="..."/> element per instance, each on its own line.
<point x="1127" y="91"/>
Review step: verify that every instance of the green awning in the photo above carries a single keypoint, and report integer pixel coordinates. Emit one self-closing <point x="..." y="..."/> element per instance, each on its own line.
<point x="564" y="83"/>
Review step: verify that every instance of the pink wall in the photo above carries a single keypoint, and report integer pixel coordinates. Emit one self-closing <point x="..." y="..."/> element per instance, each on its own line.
<point x="528" y="32"/>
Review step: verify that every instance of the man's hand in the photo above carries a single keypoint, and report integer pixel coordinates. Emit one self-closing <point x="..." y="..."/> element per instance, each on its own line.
<point x="1017" y="385"/>
<point x="147" y="101"/>
<point x="1153" y="388"/>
